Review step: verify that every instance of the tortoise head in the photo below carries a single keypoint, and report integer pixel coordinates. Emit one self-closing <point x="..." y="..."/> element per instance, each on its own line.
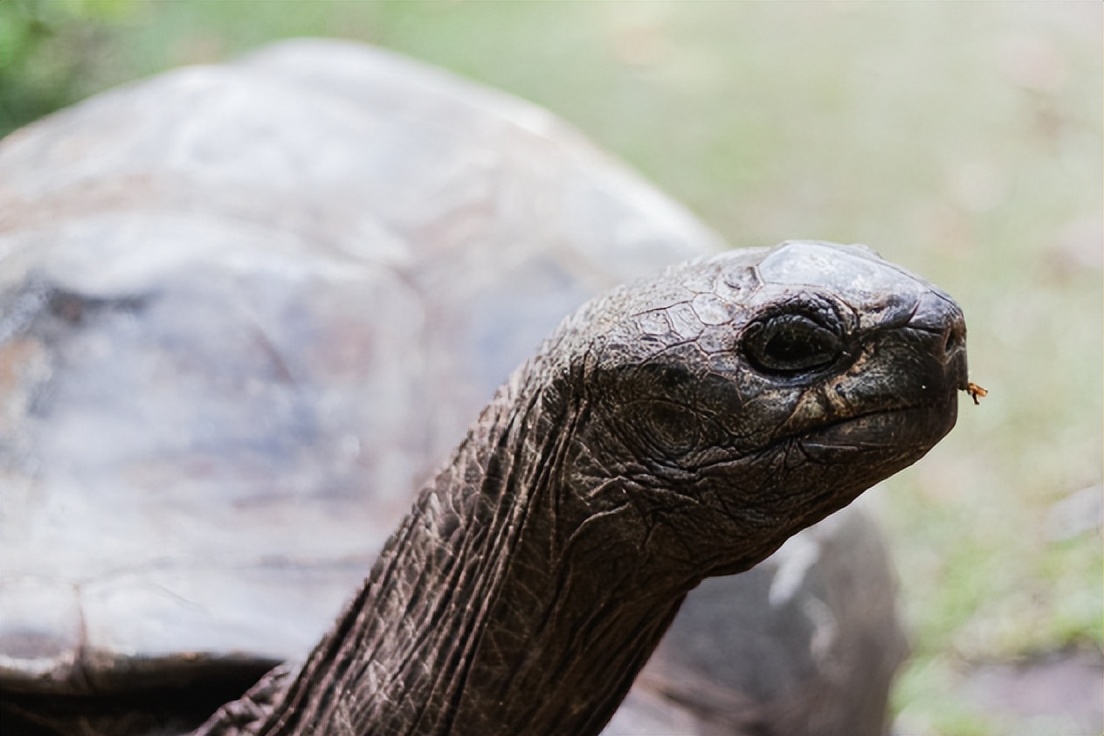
<point x="736" y="400"/>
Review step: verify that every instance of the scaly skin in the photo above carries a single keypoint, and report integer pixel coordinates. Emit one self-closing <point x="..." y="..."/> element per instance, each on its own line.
<point x="671" y="430"/>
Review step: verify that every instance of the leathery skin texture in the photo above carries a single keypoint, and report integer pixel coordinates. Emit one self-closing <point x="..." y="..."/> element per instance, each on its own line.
<point x="673" y="429"/>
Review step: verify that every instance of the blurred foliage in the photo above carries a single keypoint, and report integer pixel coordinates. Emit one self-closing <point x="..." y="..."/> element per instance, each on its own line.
<point x="962" y="140"/>
<point x="48" y="53"/>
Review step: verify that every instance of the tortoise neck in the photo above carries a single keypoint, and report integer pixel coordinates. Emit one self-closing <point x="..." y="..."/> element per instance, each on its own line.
<point x="495" y="608"/>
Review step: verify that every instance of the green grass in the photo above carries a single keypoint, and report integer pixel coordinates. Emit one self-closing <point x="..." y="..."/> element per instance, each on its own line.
<point x="961" y="140"/>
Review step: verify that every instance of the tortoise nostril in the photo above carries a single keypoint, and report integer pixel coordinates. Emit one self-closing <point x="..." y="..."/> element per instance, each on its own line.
<point x="954" y="337"/>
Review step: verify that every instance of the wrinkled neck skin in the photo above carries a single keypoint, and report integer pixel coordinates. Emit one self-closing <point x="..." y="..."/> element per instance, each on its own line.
<point x="658" y="437"/>
<point x="499" y="606"/>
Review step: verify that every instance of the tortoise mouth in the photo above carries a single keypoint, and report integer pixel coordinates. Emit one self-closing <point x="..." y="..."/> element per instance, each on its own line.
<point x="915" y="427"/>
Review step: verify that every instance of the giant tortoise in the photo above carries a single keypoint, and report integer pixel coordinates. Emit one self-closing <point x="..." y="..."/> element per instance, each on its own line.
<point x="246" y="309"/>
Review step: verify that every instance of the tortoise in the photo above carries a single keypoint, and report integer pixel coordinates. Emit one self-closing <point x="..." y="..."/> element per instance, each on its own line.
<point x="246" y="307"/>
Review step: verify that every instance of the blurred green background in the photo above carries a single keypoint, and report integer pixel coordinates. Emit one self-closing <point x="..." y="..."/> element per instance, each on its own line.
<point x="961" y="140"/>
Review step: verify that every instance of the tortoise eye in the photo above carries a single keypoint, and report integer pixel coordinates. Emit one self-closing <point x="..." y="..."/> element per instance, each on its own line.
<point x="791" y="343"/>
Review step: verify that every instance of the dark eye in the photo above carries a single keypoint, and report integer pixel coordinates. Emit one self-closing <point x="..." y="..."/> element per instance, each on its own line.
<point x="791" y="343"/>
